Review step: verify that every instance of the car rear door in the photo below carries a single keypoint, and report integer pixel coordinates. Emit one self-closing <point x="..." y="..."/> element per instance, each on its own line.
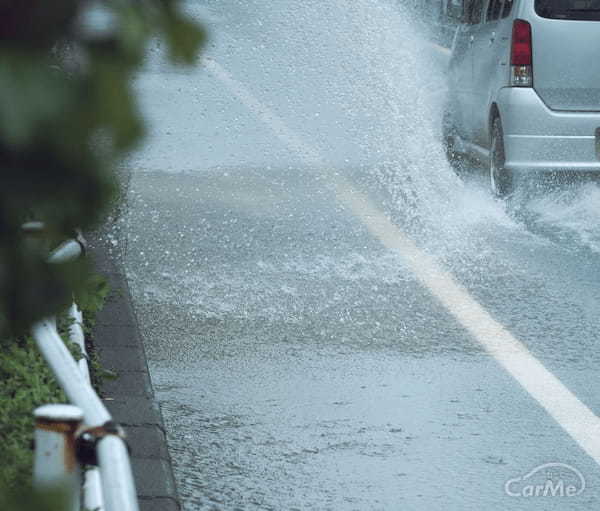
<point x="566" y="53"/>
<point x="460" y="74"/>
<point x="461" y="68"/>
<point x="490" y="71"/>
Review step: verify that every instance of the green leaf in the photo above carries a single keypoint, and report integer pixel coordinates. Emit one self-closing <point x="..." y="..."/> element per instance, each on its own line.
<point x="33" y="94"/>
<point x="185" y="38"/>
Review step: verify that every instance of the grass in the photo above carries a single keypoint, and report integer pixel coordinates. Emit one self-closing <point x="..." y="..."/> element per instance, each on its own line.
<point x="26" y="383"/>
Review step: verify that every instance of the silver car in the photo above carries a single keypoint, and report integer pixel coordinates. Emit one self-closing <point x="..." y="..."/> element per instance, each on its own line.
<point x="524" y="87"/>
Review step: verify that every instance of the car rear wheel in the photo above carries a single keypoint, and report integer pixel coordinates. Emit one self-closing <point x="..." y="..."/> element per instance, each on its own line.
<point x="501" y="179"/>
<point x="453" y="156"/>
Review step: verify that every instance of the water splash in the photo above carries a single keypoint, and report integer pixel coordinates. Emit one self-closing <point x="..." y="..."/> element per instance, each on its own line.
<point x="399" y="90"/>
<point x="569" y="214"/>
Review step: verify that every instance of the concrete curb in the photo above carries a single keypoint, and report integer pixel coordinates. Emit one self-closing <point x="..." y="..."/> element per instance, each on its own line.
<point x="130" y="397"/>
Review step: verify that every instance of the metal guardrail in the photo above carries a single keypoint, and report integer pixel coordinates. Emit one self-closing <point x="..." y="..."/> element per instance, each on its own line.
<point x="69" y="437"/>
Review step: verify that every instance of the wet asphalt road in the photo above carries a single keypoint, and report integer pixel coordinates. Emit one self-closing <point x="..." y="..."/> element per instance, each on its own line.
<point x="299" y="363"/>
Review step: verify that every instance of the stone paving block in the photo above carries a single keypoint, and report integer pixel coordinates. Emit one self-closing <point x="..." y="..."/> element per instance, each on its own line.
<point x="116" y="336"/>
<point x="118" y="309"/>
<point x="128" y="383"/>
<point x="153" y="477"/>
<point x="159" y="504"/>
<point x="134" y="411"/>
<point x="121" y="358"/>
<point x="147" y="442"/>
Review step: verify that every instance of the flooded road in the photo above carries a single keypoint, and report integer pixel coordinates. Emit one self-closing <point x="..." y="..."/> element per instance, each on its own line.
<point x="302" y="363"/>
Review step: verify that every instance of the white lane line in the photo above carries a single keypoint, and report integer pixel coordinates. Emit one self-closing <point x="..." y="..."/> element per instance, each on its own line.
<point x="568" y="411"/>
<point x="272" y="120"/>
<point x="560" y="403"/>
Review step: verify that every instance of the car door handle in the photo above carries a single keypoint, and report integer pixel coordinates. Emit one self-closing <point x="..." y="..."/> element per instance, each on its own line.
<point x="493" y="37"/>
<point x="471" y="39"/>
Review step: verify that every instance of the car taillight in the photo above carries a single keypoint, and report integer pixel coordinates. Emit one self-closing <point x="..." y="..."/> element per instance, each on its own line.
<point x="521" y="73"/>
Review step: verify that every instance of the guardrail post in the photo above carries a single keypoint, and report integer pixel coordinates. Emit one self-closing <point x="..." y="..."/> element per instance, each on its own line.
<point x="55" y="461"/>
<point x="118" y="487"/>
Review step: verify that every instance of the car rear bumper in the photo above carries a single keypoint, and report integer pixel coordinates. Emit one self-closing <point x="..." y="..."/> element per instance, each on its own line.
<point x="539" y="139"/>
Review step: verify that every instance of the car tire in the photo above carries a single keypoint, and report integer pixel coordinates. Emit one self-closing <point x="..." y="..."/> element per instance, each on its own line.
<point x="501" y="179"/>
<point x="454" y="157"/>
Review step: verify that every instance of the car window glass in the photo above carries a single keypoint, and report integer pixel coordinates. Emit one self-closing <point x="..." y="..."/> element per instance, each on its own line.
<point x="569" y="9"/>
<point x="494" y="10"/>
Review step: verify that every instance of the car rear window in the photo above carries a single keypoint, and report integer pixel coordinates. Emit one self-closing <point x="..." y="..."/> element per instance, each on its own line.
<point x="569" y="9"/>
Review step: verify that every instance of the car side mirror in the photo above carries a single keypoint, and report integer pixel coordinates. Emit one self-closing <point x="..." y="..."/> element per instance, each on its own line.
<point x="456" y="10"/>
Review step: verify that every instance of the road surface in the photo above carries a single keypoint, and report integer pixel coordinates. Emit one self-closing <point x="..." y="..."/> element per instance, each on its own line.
<point x="333" y="319"/>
